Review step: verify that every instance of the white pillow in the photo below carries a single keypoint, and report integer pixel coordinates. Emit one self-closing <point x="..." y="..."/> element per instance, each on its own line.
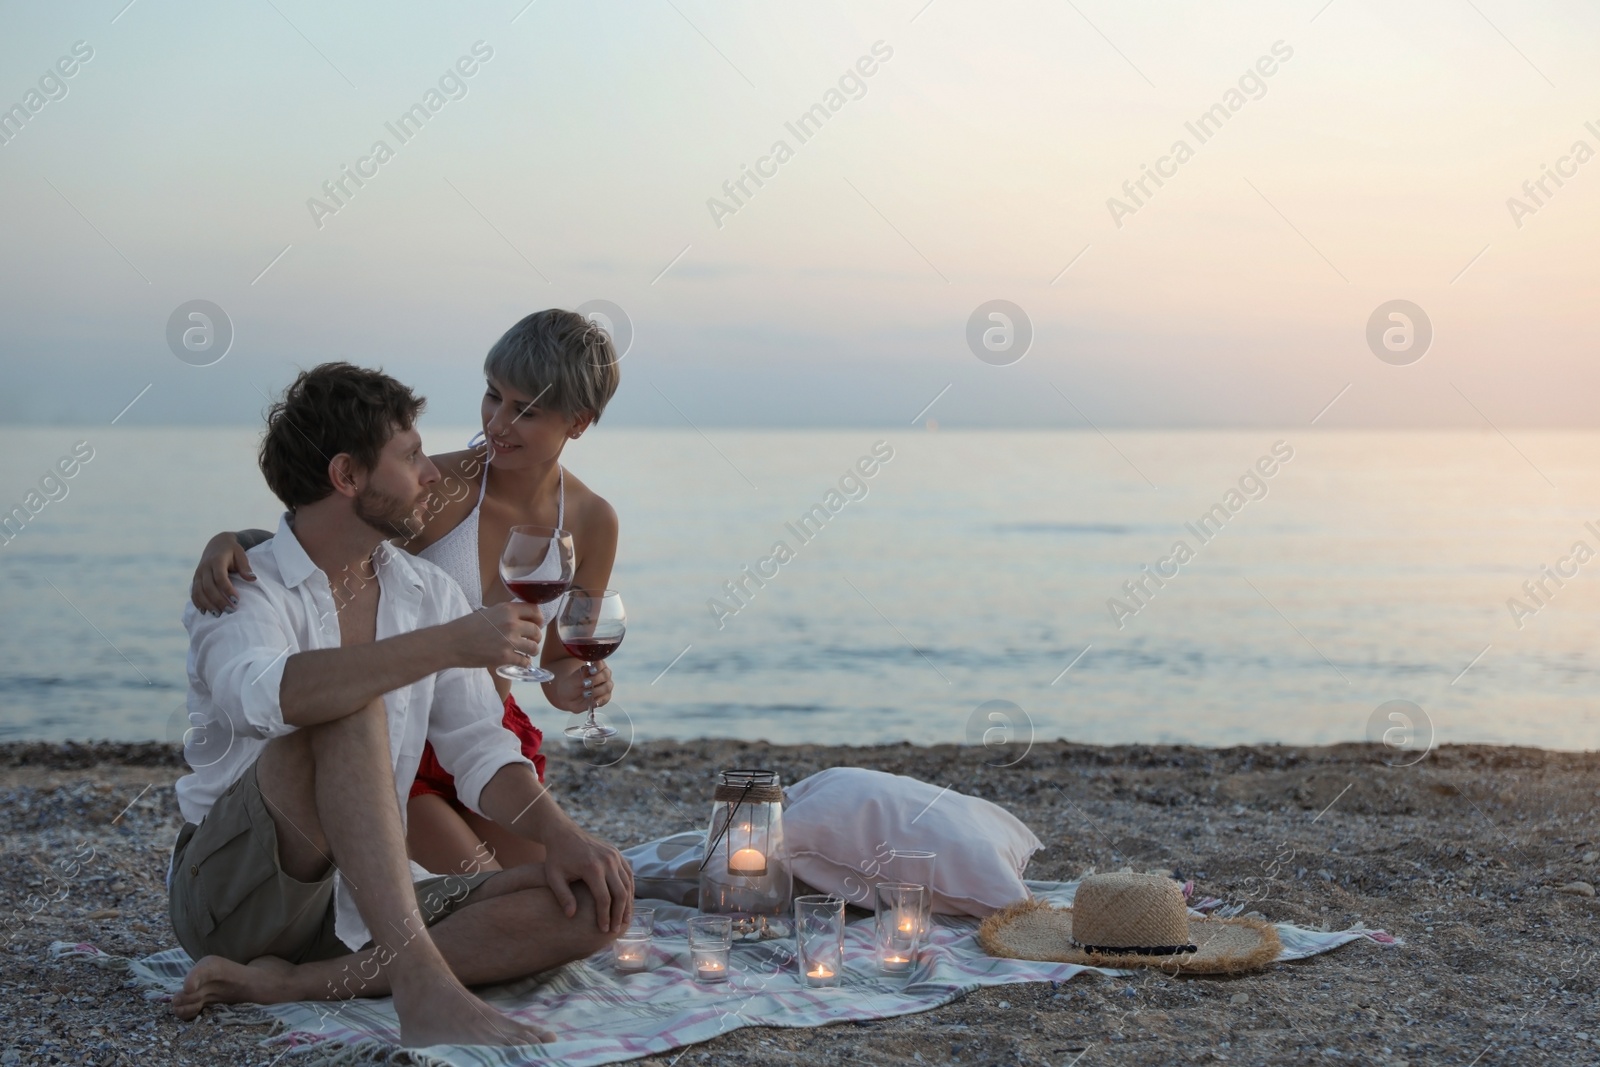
<point x="841" y="826"/>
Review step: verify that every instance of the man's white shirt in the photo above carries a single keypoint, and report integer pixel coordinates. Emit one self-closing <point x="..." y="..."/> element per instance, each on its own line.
<point x="236" y="664"/>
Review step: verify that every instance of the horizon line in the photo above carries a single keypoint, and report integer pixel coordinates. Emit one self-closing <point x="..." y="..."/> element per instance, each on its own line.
<point x="937" y="427"/>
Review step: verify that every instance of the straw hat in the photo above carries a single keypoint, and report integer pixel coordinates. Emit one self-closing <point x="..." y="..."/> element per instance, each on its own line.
<point x="1129" y="920"/>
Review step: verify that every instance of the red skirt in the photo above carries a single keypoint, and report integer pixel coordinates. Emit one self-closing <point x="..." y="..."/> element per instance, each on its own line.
<point x="433" y="778"/>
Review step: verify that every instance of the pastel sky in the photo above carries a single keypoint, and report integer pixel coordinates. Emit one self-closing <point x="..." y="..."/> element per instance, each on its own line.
<point x="1375" y="163"/>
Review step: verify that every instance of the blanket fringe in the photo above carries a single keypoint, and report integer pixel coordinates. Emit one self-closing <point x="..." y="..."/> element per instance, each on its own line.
<point x="300" y="1051"/>
<point x="364" y="1053"/>
<point x="157" y="988"/>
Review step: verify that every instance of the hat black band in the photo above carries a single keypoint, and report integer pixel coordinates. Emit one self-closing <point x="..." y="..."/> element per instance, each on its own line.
<point x="1144" y="950"/>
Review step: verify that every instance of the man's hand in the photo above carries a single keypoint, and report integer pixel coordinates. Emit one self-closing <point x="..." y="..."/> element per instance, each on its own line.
<point x="569" y="692"/>
<point x="502" y="634"/>
<point x="571" y="855"/>
<point x="515" y="799"/>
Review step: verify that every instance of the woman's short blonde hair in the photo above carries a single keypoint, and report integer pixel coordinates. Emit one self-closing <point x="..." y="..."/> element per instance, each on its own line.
<point x="559" y="358"/>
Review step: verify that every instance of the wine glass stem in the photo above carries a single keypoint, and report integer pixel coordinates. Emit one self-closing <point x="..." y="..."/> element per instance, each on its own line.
<point x="591" y="721"/>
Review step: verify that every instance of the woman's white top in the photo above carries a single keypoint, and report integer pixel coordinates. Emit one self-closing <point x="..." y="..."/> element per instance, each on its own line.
<point x="456" y="553"/>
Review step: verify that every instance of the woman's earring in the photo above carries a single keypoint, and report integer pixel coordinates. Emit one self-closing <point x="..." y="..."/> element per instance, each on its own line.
<point x="478" y="439"/>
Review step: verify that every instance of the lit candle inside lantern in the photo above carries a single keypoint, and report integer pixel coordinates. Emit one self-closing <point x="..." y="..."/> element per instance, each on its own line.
<point x="907" y="924"/>
<point x="895" y="963"/>
<point x="747" y="861"/>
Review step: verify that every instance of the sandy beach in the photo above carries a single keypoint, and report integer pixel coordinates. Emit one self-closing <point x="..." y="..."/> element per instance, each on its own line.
<point x="1481" y="859"/>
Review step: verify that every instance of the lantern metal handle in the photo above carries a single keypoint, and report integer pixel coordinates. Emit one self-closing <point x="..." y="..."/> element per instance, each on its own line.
<point x="732" y="811"/>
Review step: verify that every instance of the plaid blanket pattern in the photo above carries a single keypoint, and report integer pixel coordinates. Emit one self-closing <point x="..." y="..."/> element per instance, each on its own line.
<point x="602" y="1017"/>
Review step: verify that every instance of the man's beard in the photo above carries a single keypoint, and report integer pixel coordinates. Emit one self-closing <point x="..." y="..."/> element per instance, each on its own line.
<point x="387" y="514"/>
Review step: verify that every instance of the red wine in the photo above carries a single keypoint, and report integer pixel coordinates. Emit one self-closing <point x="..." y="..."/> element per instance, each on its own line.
<point x="591" y="648"/>
<point x="537" y="592"/>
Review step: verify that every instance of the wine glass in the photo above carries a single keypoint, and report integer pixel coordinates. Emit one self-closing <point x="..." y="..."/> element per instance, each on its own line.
<point x="537" y="566"/>
<point x="591" y="626"/>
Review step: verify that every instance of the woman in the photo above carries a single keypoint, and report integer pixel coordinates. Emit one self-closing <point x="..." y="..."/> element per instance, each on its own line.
<point x="548" y="380"/>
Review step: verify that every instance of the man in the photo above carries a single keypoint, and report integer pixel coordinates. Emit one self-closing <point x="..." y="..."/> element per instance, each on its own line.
<point x="311" y="706"/>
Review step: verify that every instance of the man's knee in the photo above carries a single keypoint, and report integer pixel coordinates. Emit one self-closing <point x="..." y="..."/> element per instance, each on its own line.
<point x="584" y="924"/>
<point x="373" y="716"/>
<point x="362" y="727"/>
<point x="375" y="708"/>
<point x="580" y="933"/>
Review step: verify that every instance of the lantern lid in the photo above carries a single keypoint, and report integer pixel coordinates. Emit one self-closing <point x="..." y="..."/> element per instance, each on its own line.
<point x="749" y="786"/>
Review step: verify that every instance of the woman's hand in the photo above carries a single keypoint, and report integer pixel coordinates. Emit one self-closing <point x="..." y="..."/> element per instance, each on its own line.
<point x="577" y="685"/>
<point x="212" y="590"/>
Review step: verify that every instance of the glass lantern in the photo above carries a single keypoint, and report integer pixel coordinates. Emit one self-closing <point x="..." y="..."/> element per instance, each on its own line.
<point x="745" y="873"/>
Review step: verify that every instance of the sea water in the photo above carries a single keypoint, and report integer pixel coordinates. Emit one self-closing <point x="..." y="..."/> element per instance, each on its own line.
<point x="874" y="586"/>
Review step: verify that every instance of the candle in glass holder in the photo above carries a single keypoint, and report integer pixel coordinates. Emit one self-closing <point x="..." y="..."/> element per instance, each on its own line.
<point x="819" y="938"/>
<point x="709" y="939"/>
<point x="711" y="964"/>
<point x="897" y="931"/>
<point x="630" y="954"/>
<point x="915" y="868"/>
<point x="631" y="951"/>
<point x="821" y="975"/>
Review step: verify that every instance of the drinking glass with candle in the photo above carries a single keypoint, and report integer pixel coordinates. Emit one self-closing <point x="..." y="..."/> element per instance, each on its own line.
<point x="631" y="951"/>
<point x="819" y="935"/>
<point x="915" y="868"/>
<point x="897" y="927"/>
<point x="710" y="937"/>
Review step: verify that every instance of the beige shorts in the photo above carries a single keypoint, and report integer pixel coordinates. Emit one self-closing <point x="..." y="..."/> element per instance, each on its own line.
<point x="230" y="897"/>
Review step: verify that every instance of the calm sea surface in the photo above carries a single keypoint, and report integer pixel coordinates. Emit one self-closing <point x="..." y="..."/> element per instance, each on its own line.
<point x="976" y="567"/>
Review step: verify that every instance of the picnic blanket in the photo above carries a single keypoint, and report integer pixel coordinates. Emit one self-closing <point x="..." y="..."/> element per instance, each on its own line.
<point x="603" y="1017"/>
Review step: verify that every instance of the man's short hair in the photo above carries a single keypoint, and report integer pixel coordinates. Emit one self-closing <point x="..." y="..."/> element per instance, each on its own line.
<point x="561" y="359"/>
<point x="329" y="409"/>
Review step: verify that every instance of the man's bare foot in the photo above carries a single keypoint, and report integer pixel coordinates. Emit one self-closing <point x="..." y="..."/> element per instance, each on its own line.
<point x="438" y="1010"/>
<point x="215" y="980"/>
